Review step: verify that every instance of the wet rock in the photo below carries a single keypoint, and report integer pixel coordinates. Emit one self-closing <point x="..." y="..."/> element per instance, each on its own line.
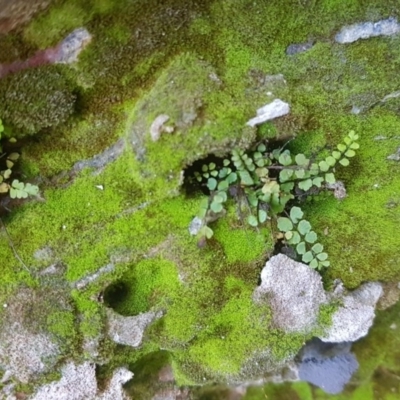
<point x="365" y="30"/>
<point x="276" y="109"/>
<point x="328" y="366"/>
<point x="296" y="48"/>
<point x="78" y="382"/>
<point x="70" y="48"/>
<point x="294" y="292"/>
<point x="353" y="319"/>
<point x="129" y="330"/>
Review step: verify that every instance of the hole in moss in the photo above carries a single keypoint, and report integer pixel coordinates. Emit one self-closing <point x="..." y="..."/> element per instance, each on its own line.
<point x="116" y="294"/>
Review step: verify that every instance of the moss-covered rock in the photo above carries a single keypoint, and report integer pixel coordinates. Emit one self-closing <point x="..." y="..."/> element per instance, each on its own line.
<point x="35" y="99"/>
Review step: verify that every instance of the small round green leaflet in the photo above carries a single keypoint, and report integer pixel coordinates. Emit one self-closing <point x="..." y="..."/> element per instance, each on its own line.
<point x="296" y="214"/>
<point x="336" y="154"/>
<point x="330" y="178"/>
<point x="212" y="183"/>
<point x="206" y="231"/>
<point x="295" y="238"/>
<point x="245" y="178"/>
<point x="354" y="146"/>
<point x="307" y="257"/>
<point x="252" y="199"/>
<point x="284" y="224"/>
<point x="317" y="181"/>
<point x="341" y="147"/>
<point x="317" y="248"/>
<point x="323" y="166"/>
<point x="211" y="166"/>
<point x="314" y="263"/>
<point x="288" y="235"/>
<point x="325" y="263"/>
<point x="331" y="161"/>
<point x="322" y="256"/>
<point x="226" y="162"/>
<point x="287" y="187"/>
<point x="301" y="160"/>
<point x="350" y="153"/>
<point x="285" y="159"/>
<point x="344" y="161"/>
<point x="304" y="227"/>
<point x="285" y="175"/>
<point x="252" y="220"/>
<point x="216" y="207"/>
<point x="232" y="178"/>
<point x="262" y="216"/>
<point x="301" y="248"/>
<point x="305" y="185"/>
<point x="261" y="148"/>
<point x="311" y="237"/>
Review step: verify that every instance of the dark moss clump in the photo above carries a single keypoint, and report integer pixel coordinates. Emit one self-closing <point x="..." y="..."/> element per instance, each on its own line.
<point x="35" y="99"/>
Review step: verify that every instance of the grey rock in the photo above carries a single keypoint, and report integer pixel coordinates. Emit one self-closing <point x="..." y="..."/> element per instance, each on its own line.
<point x="353" y="319"/>
<point x="338" y="188"/>
<point x="276" y="109"/>
<point x="114" y="389"/>
<point x="328" y="366"/>
<point x="70" y="48"/>
<point x="157" y="127"/>
<point x="296" y="48"/>
<point x="195" y="226"/>
<point x="25" y="350"/>
<point x="85" y="281"/>
<point x="294" y="292"/>
<point x="78" y="382"/>
<point x="129" y="330"/>
<point x="365" y="30"/>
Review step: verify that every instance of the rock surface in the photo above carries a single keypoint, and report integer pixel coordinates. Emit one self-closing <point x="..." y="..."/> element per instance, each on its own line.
<point x="276" y="109"/>
<point x="365" y="30"/>
<point x="294" y="292"/>
<point x="296" y="48"/>
<point x="25" y="350"/>
<point x="70" y="48"/>
<point x="78" y="382"/>
<point x="353" y="320"/>
<point x="128" y="330"/>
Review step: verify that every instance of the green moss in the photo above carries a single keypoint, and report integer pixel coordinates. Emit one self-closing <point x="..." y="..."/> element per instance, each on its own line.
<point x="146" y="285"/>
<point x="241" y="244"/>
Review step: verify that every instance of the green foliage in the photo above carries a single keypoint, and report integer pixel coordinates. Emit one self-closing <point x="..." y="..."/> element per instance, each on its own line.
<point x="16" y="189"/>
<point x="265" y="194"/>
<point x="34" y="99"/>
